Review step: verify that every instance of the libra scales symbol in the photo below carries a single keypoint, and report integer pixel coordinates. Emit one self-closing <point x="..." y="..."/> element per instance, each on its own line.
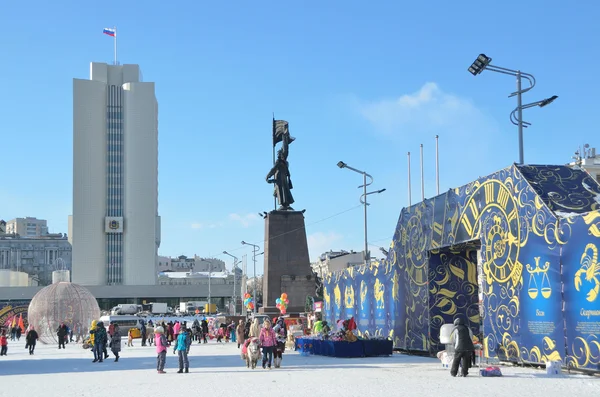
<point x="532" y="288"/>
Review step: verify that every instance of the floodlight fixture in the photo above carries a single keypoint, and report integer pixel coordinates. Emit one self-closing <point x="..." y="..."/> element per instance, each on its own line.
<point x="479" y="65"/>
<point x="548" y="101"/>
<point x="514" y="115"/>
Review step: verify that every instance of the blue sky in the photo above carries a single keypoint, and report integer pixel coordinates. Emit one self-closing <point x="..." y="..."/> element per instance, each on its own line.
<point x="360" y="83"/>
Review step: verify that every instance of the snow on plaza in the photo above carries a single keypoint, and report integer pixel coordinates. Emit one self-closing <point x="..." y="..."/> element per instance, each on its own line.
<point x="219" y="369"/>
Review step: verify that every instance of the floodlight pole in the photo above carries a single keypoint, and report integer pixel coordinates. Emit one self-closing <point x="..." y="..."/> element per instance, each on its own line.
<point x="482" y="63"/>
<point x="254" y="249"/>
<point x="364" y="202"/>
<point x="235" y="262"/>
<point x="520" y="107"/>
<point x="520" y="91"/>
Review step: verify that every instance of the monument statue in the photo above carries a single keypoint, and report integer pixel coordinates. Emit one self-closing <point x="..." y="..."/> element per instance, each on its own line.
<point x="287" y="263"/>
<point x="281" y="171"/>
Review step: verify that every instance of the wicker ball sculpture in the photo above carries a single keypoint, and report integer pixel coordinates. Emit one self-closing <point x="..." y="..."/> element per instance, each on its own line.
<point x="62" y="303"/>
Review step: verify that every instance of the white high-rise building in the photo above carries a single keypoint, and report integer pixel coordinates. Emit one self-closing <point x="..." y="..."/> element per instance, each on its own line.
<point x="115" y="227"/>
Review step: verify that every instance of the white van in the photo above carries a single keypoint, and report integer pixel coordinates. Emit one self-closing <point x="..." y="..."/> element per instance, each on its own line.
<point x="125" y="323"/>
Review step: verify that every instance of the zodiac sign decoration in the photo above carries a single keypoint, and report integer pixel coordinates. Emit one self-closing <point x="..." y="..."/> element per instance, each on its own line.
<point x="532" y="289"/>
<point x="591" y="269"/>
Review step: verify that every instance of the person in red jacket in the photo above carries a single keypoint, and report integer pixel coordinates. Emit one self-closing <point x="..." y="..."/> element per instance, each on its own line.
<point x="3" y="343"/>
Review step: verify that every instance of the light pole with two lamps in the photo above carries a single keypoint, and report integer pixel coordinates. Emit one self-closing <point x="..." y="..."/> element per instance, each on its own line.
<point x="363" y="200"/>
<point x="235" y="262"/>
<point x="254" y="249"/>
<point x="483" y="62"/>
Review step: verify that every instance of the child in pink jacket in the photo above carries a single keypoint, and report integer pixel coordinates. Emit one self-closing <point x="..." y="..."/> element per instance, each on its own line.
<point x="161" y="349"/>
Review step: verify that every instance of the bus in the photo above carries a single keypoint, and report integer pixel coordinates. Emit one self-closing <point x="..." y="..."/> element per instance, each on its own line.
<point x="125" y="323"/>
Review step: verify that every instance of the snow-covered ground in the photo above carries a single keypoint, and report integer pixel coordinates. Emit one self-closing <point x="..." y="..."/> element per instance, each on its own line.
<point x="217" y="369"/>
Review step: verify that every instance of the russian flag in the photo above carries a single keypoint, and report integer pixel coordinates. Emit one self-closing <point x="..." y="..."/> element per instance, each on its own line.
<point x="110" y="32"/>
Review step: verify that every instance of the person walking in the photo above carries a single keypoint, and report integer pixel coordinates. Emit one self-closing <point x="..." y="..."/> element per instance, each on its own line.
<point x="130" y="337"/>
<point x="281" y="334"/>
<point x="3" y="343"/>
<point x="115" y="342"/>
<point x="188" y="333"/>
<point x="143" y="331"/>
<point x="31" y="339"/>
<point x="239" y="331"/>
<point x="181" y="348"/>
<point x="160" y="341"/>
<point x="61" y="334"/>
<point x="204" y="326"/>
<point x="255" y="328"/>
<point x="463" y="347"/>
<point x="100" y="339"/>
<point x="150" y="333"/>
<point x="268" y="341"/>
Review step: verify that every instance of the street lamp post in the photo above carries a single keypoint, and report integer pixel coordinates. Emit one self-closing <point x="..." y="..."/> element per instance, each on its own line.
<point x="235" y="262"/>
<point x="254" y="249"/>
<point x="209" y="282"/>
<point x="341" y="164"/>
<point x="483" y="62"/>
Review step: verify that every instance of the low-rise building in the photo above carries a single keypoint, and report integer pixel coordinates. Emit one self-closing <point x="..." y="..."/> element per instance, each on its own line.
<point x="587" y="159"/>
<point x="333" y="261"/>
<point x="184" y="264"/>
<point x="37" y="256"/>
<point x="27" y="227"/>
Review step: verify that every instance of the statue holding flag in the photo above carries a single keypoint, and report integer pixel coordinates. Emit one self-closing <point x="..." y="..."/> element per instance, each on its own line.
<point x="280" y="171"/>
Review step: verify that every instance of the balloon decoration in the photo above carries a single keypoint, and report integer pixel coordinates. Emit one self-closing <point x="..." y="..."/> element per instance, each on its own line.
<point x="248" y="302"/>
<point x="282" y="303"/>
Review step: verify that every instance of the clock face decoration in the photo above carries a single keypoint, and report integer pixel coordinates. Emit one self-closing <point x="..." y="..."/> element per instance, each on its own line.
<point x="414" y="243"/>
<point x="492" y="215"/>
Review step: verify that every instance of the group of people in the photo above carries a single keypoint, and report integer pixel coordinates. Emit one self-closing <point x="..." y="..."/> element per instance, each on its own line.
<point x="271" y="338"/>
<point x="182" y="345"/>
<point x="31" y="338"/>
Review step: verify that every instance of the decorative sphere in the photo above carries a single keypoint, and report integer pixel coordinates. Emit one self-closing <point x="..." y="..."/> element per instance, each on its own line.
<point x="60" y="303"/>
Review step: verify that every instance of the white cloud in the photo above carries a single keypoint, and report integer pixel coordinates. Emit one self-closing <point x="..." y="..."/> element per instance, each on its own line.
<point x="468" y="135"/>
<point x="321" y="242"/>
<point x="197" y="225"/>
<point x="244" y="219"/>
<point x="427" y="110"/>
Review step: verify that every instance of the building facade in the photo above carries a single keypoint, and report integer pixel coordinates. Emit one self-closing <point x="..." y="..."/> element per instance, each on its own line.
<point x="38" y="257"/>
<point x="334" y="261"/>
<point x="587" y="159"/>
<point x="184" y="264"/>
<point x="115" y="227"/>
<point x="27" y="227"/>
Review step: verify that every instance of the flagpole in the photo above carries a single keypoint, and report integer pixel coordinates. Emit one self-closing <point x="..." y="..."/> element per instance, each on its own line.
<point x="274" y="198"/>
<point x="116" y="62"/>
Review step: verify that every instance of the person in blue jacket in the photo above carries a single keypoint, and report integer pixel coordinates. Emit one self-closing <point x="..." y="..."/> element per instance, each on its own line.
<point x="181" y="348"/>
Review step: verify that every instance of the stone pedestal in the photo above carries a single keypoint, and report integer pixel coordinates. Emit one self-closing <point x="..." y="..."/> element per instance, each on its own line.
<point x="287" y="264"/>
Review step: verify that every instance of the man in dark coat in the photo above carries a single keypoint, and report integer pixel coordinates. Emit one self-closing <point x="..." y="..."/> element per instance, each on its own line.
<point x="204" y="326"/>
<point x="143" y="331"/>
<point x="31" y="339"/>
<point x="463" y="347"/>
<point x="100" y="340"/>
<point x="61" y="334"/>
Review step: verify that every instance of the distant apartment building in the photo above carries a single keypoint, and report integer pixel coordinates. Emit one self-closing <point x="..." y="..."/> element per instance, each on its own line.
<point x="37" y="256"/>
<point x="333" y="261"/>
<point x="27" y="227"/>
<point x="587" y="159"/>
<point x="195" y="278"/>
<point x="184" y="264"/>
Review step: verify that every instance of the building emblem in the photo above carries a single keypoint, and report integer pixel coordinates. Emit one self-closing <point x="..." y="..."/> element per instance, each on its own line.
<point x="113" y="225"/>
